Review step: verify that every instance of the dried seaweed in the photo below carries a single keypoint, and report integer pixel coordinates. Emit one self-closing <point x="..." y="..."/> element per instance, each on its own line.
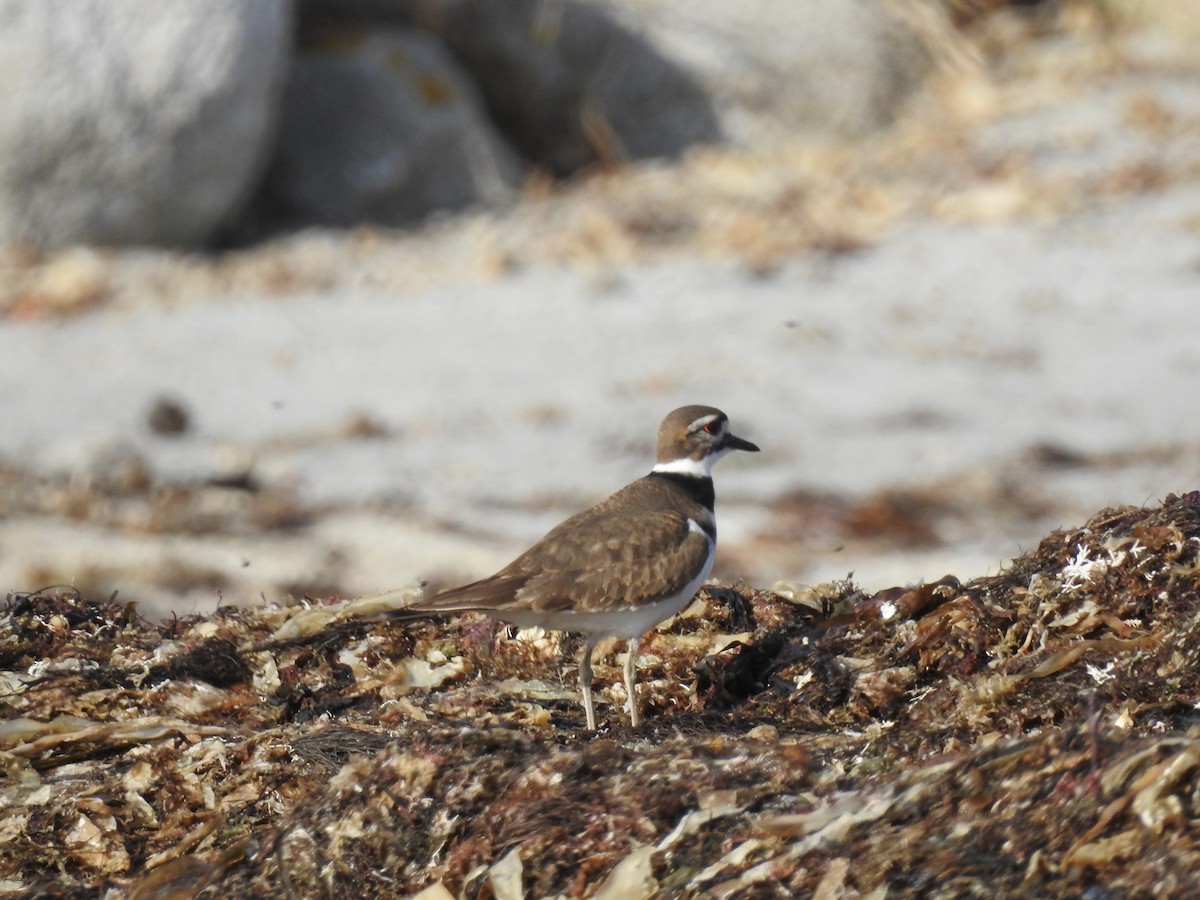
<point x="1034" y="732"/>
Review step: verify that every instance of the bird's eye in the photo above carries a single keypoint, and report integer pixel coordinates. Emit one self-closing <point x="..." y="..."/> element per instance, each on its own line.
<point x="712" y="428"/>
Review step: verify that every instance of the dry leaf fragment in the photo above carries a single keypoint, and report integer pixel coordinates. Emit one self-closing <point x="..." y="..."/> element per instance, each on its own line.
<point x="1064" y="658"/>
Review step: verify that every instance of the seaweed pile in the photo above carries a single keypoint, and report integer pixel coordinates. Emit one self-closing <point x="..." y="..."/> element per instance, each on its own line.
<point x="1033" y="732"/>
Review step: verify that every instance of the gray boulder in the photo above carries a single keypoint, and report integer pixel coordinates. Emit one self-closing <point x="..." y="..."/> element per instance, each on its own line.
<point x="130" y="122"/>
<point x="826" y="68"/>
<point x="380" y="125"/>
<point x="568" y="85"/>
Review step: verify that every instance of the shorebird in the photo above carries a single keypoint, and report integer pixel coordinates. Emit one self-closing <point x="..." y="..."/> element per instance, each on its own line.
<point x="622" y="566"/>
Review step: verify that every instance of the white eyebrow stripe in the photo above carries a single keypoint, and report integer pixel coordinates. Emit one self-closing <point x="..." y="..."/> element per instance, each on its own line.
<point x="701" y="422"/>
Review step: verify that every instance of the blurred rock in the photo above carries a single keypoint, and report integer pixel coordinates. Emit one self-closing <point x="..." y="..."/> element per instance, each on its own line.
<point x="381" y="126"/>
<point x="168" y="417"/>
<point x="832" y="68"/>
<point x="134" y="123"/>
<point x="569" y="86"/>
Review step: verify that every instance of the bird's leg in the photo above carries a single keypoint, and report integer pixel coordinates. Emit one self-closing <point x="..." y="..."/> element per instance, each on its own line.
<point x="631" y="680"/>
<point x="585" y="684"/>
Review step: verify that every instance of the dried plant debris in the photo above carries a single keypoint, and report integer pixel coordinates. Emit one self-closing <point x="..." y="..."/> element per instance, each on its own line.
<point x="1036" y="732"/>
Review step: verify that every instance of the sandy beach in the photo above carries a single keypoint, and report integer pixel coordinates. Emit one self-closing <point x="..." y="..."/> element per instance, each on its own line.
<point x="978" y="326"/>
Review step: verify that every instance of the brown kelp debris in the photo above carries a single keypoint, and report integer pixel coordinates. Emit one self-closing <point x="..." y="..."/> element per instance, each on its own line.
<point x="1035" y="732"/>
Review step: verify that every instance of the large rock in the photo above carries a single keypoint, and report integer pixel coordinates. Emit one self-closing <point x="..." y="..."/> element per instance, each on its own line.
<point x="130" y="122"/>
<point x="568" y="85"/>
<point x="380" y="125"/>
<point x="826" y="68"/>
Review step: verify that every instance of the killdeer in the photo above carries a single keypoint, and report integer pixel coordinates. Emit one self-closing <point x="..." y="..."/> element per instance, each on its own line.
<point x="625" y="564"/>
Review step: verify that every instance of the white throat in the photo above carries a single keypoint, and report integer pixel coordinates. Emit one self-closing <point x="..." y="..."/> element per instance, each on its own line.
<point x="700" y="468"/>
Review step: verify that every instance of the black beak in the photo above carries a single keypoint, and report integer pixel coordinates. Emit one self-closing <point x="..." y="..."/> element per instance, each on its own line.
<point x="733" y="442"/>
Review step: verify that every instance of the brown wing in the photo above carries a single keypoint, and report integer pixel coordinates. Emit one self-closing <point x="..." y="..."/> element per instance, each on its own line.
<point x="639" y="557"/>
<point x="607" y="557"/>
